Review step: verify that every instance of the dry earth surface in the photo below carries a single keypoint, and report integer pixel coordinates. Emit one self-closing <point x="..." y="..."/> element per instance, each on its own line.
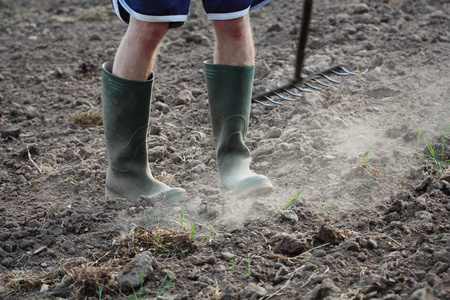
<point x="370" y="209"/>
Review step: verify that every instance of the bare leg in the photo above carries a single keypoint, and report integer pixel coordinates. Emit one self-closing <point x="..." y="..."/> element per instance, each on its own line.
<point x="234" y="42"/>
<point x="137" y="50"/>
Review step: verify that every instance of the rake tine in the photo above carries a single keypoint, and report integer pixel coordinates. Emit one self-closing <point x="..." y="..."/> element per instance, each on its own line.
<point x="313" y="87"/>
<point x="321" y="83"/>
<point x="346" y="72"/>
<point x="282" y="97"/>
<point x="302" y="90"/>
<point x="293" y="94"/>
<point x="274" y="102"/>
<point x="343" y="74"/>
<point x="328" y="78"/>
<point x="262" y="103"/>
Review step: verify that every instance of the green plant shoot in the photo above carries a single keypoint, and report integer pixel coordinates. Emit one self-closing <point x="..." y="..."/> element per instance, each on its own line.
<point x="292" y="199"/>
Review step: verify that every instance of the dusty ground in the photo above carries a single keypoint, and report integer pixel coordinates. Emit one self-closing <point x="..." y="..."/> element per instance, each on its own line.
<point x="371" y="222"/>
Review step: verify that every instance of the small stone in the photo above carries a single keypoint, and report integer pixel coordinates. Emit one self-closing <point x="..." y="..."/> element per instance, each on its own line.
<point x="288" y="215"/>
<point x="273" y="133"/>
<point x="196" y="261"/>
<point x="10" y="131"/>
<point x="329" y="235"/>
<point x="140" y="268"/>
<point x="44" y="288"/>
<point x="162" y="107"/>
<point x="95" y="37"/>
<point x="326" y="288"/>
<point x="275" y="28"/>
<point x="365" y="19"/>
<point x="351" y="246"/>
<point x="307" y="160"/>
<point x="184" y="97"/>
<point x="287" y="244"/>
<point x="227" y="256"/>
<point x="361" y="257"/>
<point x="439" y="268"/>
<point x="372" y="244"/>
<point x="211" y="260"/>
<point x="196" y="38"/>
<point x="442" y="255"/>
<point x="420" y="294"/>
<point x="253" y="291"/>
<point x="361" y="8"/>
<point x="229" y="292"/>
<point x="318" y="143"/>
<point x="316" y="124"/>
<point x="319" y="253"/>
<point x="86" y="152"/>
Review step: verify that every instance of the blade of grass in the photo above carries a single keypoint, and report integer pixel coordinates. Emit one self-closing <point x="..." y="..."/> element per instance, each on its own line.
<point x="159" y="242"/>
<point x="164" y="285"/>
<point x="192" y="231"/>
<point x="292" y="199"/>
<point x="212" y="229"/>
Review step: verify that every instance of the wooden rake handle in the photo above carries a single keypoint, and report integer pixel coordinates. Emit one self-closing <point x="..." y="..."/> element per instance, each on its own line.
<point x="303" y="39"/>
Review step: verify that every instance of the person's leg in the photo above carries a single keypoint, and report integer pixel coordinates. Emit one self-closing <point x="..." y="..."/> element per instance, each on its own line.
<point x="127" y="90"/>
<point x="229" y="81"/>
<point x="234" y="42"/>
<point x="137" y="50"/>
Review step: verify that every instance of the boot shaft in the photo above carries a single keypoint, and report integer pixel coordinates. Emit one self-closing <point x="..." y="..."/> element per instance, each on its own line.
<point x="229" y="94"/>
<point x="126" y="111"/>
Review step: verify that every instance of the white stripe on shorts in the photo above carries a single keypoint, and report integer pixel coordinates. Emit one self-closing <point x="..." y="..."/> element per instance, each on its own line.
<point x="147" y="18"/>
<point x="116" y="8"/>
<point x="229" y="16"/>
<point x="260" y="4"/>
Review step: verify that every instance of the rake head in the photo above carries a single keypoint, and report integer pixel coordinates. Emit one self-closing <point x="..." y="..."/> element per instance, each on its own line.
<point x="298" y="88"/>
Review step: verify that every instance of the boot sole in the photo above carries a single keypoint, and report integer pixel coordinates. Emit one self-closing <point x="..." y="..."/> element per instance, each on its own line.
<point x="175" y="194"/>
<point x="255" y="188"/>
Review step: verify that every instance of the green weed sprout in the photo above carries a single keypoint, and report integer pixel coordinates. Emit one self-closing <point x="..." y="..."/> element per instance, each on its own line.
<point x="367" y="157"/>
<point x="135" y="297"/>
<point x="99" y="291"/>
<point x="249" y="267"/>
<point x="159" y="243"/>
<point x="232" y="264"/>
<point x="436" y="158"/>
<point x="164" y="285"/>
<point x="418" y="136"/>
<point x="292" y="199"/>
<point x="71" y="178"/>
<point x="212" y="229"/>
<point x="192" y="231"/>
<point x="439" y="235"/>
<point x="438" y="162"/>
<point x="150" y="216"/>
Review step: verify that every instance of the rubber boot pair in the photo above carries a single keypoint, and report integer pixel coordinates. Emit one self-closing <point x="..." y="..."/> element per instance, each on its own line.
<point x="126" y="109"/>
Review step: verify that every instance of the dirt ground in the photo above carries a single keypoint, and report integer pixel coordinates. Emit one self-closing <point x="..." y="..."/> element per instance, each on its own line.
<point x="361" y="205"/>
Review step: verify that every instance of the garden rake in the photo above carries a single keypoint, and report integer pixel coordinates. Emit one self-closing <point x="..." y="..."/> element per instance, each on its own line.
<point x="292" y="89"/>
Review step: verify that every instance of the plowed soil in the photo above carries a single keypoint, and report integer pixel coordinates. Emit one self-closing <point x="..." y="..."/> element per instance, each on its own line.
<point x="361" y="205"/>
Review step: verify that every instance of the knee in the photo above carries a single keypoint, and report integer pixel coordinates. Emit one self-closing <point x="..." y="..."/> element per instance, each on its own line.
<point x="148" y="34"/>
<point x="235" y="29"/>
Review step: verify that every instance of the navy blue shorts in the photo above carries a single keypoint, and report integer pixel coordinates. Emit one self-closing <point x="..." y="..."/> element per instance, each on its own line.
<point x="176" y="11"/>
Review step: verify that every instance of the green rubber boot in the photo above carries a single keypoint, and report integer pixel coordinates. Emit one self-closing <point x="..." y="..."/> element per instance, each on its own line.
<point x="126" y="110"/>
<point x="229" y="93"/>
